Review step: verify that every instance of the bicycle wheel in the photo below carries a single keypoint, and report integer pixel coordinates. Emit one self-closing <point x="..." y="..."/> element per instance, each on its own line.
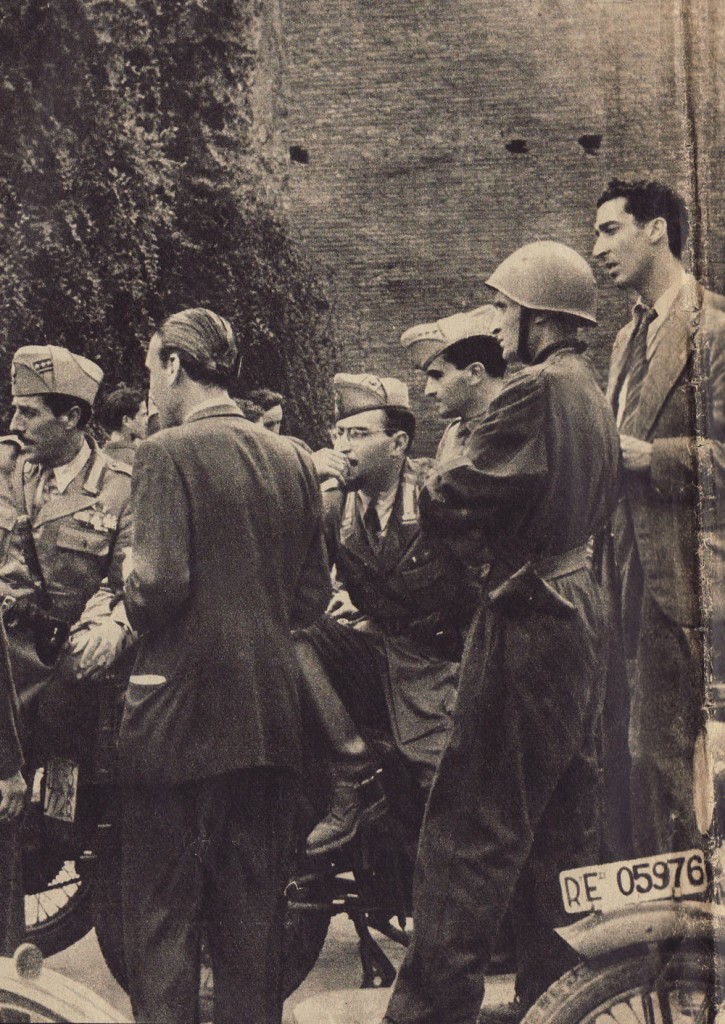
<point x="60" y="914"/>
<point x="680" y="985"/>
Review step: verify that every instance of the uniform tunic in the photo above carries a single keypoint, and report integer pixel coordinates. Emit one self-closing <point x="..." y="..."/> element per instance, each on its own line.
<point x="397" y="668"/>
<point x="515" y="798"/>
<point x="79" y="537"/>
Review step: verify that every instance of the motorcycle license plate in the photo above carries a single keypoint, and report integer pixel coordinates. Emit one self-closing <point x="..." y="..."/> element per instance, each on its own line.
<point x="611" y="886"/>
<point x="61" y="789"/>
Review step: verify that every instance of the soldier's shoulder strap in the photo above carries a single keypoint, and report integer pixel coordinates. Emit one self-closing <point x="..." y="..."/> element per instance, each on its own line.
<point x="117" y="466"/>
<point x="99" y="465"/>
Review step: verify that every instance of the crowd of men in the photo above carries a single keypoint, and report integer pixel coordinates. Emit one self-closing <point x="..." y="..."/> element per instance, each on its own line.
<point x="488" y="615"/>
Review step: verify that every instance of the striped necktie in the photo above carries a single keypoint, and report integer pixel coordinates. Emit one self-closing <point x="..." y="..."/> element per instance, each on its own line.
<point x="636" y="364"/>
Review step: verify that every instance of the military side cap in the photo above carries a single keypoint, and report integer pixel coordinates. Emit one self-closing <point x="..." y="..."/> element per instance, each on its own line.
<point x="51" y="370"/>
<point x="358" y="392"/>
<point x="426" y="342"/>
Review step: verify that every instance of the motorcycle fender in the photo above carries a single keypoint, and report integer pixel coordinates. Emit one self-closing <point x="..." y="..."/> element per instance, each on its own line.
<point x="599" y="935"/>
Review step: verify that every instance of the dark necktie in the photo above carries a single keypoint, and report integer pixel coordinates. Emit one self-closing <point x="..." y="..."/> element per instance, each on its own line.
<point x="371" y="522"/>
<point x="636" y="364"/>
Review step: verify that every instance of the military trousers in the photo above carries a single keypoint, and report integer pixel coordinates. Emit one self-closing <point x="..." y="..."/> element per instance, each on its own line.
<point x="516" y="800"/>
<point x="208" y="857"/>
<point x="668" y="694"/>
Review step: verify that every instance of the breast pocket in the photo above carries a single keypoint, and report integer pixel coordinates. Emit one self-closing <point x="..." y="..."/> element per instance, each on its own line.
<point x="80" y="560"/>
<point x="87" y="542"/>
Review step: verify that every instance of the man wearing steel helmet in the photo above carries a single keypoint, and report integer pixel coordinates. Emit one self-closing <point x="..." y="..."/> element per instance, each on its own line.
<point x="464" y="369"/>
<point x="515" y="797"/>
<point x="228" y="556"/>
<point x="666" y="385"/>
<point x="64" y="524"/>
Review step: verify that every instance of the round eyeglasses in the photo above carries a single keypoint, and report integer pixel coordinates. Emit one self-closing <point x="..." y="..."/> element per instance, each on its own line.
<point x="355" y="433"/>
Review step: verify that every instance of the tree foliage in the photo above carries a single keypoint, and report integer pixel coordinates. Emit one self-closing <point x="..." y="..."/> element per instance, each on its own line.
<point x="129" y="189"/>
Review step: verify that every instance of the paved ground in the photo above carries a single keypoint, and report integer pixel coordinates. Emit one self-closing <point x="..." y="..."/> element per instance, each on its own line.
<point x="337" y="969"/>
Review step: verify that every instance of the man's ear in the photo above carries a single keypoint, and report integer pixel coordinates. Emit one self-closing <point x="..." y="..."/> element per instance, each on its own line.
<point x="173" y="368"/>
<point x="476" y="372"/>
<point x="657" y="230"/>
<point x="401" y="442"/>
<point x="71" y="417"/>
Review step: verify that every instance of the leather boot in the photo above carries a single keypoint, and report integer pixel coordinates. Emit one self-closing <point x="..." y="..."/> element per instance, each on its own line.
<point x="354" y="802"/>
<point x="353" y="765"/>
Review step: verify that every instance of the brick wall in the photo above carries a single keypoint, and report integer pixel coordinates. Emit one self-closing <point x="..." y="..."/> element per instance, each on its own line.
<point x="441" y="134"/>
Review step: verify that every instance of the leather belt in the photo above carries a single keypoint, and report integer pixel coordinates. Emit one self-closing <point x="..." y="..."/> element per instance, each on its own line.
<point x="529" y="587"/>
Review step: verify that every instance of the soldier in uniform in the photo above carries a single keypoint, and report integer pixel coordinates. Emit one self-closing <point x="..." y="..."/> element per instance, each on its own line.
<point x="64" y="523"/>
<point x="516" y="794"/>
<point x="464" y="368"/>
<point x="384" y="658"/>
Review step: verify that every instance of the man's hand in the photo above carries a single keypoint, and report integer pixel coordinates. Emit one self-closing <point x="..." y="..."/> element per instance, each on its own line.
<point x="96" y="647"/>
<point x="331" y="465"/>
<point x="636" y="454"/>
<point x="12" y="796"/>
<point x="341" y="607"/>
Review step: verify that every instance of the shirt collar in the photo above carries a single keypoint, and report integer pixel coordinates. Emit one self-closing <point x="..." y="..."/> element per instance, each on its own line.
<point x="210" y="403"/>
<point x="383" y="504"/>
<point x="64" y="475"/>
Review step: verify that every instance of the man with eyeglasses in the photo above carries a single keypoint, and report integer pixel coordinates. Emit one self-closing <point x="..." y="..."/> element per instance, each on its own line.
<point x="383" y="661"/>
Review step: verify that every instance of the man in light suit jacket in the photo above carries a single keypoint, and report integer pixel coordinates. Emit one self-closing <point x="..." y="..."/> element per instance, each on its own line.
<point x="227" y="557"/>
<point x="666" y="377"/>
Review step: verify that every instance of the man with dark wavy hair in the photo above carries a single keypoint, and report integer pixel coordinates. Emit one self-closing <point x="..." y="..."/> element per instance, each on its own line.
<point x="665" y="378"/>
<point x="227" y="557"/>
<point x="124" y="414"/>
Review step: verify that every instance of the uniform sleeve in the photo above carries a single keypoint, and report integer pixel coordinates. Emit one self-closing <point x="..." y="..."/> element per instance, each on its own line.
<point x="503" y="469"/>
<point x="158" y="583"/>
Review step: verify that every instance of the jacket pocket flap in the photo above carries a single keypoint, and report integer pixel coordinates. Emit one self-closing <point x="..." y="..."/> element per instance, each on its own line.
<point x="91" y="542"/>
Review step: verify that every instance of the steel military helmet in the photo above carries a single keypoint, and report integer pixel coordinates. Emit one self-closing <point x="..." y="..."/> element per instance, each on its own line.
<point x="548" y="276"/>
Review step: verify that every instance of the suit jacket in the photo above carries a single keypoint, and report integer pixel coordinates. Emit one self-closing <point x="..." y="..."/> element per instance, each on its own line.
<point x="228" y="556"/>
<point x="683" y="389"/>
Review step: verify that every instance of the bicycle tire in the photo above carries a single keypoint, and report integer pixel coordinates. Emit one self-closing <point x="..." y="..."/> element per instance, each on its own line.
<point x="688" y="974"/>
